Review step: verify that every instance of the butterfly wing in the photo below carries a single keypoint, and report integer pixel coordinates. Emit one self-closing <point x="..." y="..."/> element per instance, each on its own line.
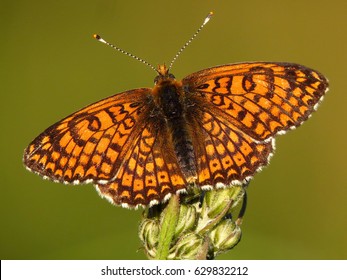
<point x="150" y="171"/>
<point x="261" y="99"/>
<point x="241" y="107"/>
<point x="224" y="154"/>
<point x="89" y="145"/>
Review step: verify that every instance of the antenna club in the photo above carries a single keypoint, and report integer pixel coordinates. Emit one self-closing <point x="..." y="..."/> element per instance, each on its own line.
<point x="98" y="37"/>
<point x="210" y="14"/>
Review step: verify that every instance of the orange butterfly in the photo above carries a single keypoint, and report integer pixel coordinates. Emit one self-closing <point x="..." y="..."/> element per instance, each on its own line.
<point x="214" y="128"/>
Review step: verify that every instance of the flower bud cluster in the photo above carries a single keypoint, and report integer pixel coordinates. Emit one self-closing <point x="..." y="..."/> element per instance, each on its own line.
<point x="204" y="229"/>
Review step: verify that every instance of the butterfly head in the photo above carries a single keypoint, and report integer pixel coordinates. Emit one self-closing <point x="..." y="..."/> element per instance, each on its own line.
<point x="163" y="74"/>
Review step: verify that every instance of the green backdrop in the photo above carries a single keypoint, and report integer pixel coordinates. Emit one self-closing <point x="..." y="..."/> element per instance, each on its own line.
<point x="51" y="66"/>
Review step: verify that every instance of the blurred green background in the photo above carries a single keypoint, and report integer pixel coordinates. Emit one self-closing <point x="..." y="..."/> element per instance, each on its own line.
<point x="51" y="66"/>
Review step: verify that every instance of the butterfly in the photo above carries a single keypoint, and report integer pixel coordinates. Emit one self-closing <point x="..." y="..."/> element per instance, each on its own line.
<point x="212" y="129"/>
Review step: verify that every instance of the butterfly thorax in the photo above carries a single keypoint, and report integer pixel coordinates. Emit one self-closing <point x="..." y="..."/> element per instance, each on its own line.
<point x="169" y="99"/>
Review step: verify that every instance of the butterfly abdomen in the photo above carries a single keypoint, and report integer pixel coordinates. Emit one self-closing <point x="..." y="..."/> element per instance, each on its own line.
<point x="183" y="148"/>
<point x="171" y="103"/>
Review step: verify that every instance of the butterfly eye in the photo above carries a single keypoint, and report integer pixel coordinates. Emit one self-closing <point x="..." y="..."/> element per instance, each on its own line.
<point x="171" y="76"/>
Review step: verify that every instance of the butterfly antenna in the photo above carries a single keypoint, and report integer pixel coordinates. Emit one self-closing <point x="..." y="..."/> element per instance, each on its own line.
<point x="207" y="19"/>
<point x="97" y="37"/>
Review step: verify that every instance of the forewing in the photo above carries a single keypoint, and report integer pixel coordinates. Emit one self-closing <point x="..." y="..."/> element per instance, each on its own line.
<point x="261" y="99"/>
<point x="90" y="144"/>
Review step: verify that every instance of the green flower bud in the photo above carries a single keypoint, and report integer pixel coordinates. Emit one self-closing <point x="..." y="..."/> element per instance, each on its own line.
<point x="149" y="233"/>
<point x="225" y="236"/>
<point x="216" y="205"/>
<point x="187" y="247"/>
<point x="216" y="201"/>
<point x="186" y="220"/>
